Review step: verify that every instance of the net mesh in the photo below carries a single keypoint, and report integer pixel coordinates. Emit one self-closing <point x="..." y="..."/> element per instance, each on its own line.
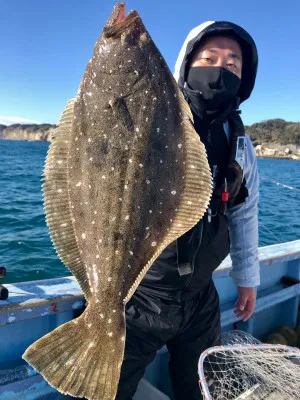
<point x="244" y="368"/>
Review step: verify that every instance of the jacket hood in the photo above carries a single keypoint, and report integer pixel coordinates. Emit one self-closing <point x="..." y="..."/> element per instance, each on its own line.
<point x="210" y="28"/>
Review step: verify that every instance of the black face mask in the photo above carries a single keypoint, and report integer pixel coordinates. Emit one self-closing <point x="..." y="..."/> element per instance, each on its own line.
<point x="215" y="86"/>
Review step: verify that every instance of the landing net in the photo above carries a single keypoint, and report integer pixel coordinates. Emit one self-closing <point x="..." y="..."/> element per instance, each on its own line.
<point x="252" y="371"/>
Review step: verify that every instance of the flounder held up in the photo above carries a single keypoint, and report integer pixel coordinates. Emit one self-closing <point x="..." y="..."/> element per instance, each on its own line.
<point x="125" y="175"/>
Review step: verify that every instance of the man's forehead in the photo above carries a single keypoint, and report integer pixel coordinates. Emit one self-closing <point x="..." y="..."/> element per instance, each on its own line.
<point x="220" y="42"/>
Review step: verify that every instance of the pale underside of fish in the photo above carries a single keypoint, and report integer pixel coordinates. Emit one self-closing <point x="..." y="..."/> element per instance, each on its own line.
<point x="125" y="175"/>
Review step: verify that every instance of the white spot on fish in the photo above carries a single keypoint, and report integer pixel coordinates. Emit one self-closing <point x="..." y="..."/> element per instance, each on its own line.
<point x="76" y="139"/>
<point x="147" y="181"/>
<point x="157" y="129"/>
<point x="173" y="192"/>
<point x="125" y="187"/>
<point x="147" y="119"/>
<point x="93" y="222"/>
<point x="136" y="72"/>
<point x="109" y="321"/>
<point x="100" y="240"/>
<point x="123" y="339"/>
<point x="92" y="344"/>
<point x="190" y="202"/>
<point x="153" y="244"/>
<point x="130" y="160"/>
<point x="120" y="199"/>
<point x="103" y="177"/>
<point x="109" y="279"/>
<point x="59" y="190"/>
<point x="97" y="256"/>
<point x="161" y="161"/>
<point x="129" y="266"/>
<point x="83" y="236"/>
<point x="180" y="145"/>
<point x="146" y="91"/>
<point x="127" y="217"/>
<point x="89" y="94"/>
<point x="112" y="168"/>
<point x="137" y="129"/>
<point x="147" y="228"/>
<point x="110" y="334"/>
<point x="193" y="166"/>
<point x="101" y="316"/>
<point x="78" y="184"/>
<point x="154" y="98"/>
<point x="114" y="311"/>
<point x="117" y="252"/>
<point x="120" y="293"/>
<point x="130" y="252"/>
<point x="129" y="61"/>
<point x="91" y="159"/>
<point x="150" y="211"/>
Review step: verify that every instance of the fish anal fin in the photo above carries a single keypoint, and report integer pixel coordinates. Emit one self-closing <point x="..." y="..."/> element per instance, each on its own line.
<point x="56" y="200"/>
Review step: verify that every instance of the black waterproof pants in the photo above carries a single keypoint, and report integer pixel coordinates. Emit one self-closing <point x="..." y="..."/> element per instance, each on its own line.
<point x="186" y="328"/>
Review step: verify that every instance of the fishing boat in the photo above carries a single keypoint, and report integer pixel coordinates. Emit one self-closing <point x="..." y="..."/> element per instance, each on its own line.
<point x="35" y="308"/>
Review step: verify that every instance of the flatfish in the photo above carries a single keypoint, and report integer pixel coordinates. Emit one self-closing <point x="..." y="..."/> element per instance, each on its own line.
<point x="125" y="175"/>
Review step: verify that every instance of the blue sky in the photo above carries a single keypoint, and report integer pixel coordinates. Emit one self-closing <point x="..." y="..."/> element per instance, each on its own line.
<point x="45" y="46"/>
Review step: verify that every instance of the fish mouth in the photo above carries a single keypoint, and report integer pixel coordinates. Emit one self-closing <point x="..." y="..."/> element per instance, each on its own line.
<point x="118" y="22"/>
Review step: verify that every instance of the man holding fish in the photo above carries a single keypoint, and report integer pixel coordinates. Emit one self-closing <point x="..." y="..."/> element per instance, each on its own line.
<point x="139" y="208"/>
<point x="176" y="303"/>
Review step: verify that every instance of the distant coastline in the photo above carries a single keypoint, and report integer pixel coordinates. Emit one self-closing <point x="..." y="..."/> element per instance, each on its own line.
<point x="273" y="138"/>
<point x="32" y="132"/>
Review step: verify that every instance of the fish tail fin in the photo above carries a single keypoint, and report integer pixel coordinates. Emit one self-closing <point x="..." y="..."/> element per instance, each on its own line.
<point x="82" y="358"/>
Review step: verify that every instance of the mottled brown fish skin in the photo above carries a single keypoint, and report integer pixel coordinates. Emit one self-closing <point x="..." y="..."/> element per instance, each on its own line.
<point x="124" y="179"/>
<point x="136" y="178"/>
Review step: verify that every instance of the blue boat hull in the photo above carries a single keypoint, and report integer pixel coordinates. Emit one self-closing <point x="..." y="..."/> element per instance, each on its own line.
<point x="36" y="308"/>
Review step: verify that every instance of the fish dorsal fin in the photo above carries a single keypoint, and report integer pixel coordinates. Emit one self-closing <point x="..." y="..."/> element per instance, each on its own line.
<point x="197" y="190"/>
<point x="56" y="200"/>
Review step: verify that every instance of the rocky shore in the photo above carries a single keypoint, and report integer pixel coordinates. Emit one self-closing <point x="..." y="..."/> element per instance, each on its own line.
<point x="273" y="150"/>
<point x="34" y="132"/>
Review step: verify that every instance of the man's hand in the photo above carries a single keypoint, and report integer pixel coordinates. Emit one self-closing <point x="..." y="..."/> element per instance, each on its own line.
<point x="245" y="305"/>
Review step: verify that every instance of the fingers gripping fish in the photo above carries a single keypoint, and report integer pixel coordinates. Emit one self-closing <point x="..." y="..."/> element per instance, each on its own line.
<point x="125" y="175"/>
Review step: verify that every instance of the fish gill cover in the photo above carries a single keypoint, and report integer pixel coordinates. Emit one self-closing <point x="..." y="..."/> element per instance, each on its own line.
<point x="125" y="175"/>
